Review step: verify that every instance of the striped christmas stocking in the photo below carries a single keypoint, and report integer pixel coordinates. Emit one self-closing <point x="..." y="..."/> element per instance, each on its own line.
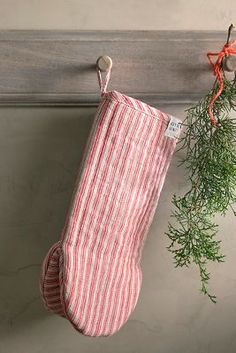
<point x="92" y="275"/>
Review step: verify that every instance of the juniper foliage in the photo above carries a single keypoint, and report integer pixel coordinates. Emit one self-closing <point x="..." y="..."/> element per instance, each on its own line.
<point x="210" y="162"/>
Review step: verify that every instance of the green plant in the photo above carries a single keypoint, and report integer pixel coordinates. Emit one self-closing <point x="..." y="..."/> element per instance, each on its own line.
<point x="210" y="161"/>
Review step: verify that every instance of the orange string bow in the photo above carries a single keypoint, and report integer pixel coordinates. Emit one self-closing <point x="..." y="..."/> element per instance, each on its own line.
<point x="217" y="69"/>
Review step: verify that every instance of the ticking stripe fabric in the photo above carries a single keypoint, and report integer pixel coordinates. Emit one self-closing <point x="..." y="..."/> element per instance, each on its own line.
<point x="92" y="275"/>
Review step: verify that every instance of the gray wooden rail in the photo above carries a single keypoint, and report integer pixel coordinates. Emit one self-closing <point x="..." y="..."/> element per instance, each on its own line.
<point x="58" y="67"/>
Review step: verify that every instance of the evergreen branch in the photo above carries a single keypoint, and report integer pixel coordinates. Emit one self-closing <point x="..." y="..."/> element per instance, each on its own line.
<point x="210" y="159"/>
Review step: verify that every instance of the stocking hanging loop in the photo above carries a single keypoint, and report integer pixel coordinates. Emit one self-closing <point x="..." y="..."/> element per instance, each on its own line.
<point x="104" y="65"/>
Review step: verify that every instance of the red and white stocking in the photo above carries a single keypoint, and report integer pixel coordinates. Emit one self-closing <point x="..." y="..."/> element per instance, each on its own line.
<point x="92" y="276"/>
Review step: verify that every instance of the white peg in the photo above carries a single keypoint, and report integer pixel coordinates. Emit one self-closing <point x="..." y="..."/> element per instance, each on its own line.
<point x="229" y="63"/>
<point x="104" y="63"/>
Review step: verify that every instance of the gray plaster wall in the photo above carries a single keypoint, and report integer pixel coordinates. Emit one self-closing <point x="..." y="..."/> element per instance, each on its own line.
<point x="40" y="154"/>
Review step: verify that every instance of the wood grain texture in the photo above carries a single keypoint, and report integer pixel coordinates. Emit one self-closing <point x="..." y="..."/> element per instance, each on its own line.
<point x="58" y="67"/>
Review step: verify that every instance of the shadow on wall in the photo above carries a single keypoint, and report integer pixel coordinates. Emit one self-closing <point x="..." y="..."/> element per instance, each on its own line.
<point x="41" y="150"/>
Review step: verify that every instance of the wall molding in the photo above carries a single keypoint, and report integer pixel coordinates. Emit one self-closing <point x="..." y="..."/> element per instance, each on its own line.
<point x="53" y="67"/>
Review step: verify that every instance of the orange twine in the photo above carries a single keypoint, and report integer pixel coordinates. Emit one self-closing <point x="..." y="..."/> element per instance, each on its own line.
<point x="217" y="69"/>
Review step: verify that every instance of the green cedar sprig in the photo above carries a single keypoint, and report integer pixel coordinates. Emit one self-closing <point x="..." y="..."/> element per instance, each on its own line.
<point x="210" y="161"/>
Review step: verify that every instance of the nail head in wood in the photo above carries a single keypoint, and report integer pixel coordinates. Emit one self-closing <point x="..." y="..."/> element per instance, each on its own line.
<point x="229" y="63"/>
<point x="104" y="63"/>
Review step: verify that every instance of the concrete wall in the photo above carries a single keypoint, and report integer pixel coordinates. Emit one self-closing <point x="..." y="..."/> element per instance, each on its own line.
<point x="40" y="152"/>
<point x="112" y="14"/>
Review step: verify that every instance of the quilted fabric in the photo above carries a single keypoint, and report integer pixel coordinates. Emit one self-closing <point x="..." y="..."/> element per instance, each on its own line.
<point x="92" y="275"/>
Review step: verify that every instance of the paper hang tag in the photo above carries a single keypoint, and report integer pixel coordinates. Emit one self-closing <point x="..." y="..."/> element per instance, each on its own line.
<point x="174" y="127"/>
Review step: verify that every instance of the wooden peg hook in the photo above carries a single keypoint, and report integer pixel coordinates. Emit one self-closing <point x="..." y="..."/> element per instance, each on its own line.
<point x="229" y="62"/>
<point x="104" y="63"/>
